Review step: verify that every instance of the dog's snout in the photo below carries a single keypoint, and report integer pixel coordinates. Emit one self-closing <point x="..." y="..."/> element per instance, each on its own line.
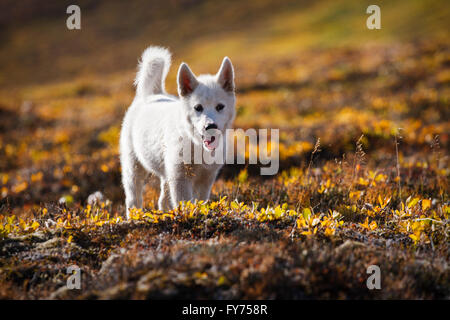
<point x="211" y="126"/>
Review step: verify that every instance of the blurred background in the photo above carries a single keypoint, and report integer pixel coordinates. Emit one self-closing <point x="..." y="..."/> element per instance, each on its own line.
<point x="36" y="45"/>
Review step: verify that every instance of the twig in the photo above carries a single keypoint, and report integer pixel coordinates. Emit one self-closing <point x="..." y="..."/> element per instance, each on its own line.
<point x="398" y="167"/>
<point x="359" y="158"/>
<point x="316" y="149"/>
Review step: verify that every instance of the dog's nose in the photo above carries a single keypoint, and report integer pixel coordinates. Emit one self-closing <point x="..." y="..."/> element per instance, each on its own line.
<point x="211" y="126"/>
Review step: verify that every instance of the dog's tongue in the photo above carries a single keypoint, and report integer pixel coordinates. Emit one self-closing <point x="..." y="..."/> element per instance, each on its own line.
<point x="209" y="142"/>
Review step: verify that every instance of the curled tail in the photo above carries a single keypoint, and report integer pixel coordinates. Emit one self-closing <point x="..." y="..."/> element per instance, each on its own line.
<point x="152" y="71"/>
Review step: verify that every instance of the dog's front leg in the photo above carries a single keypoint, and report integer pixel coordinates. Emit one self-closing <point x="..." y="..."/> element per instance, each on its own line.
<point x="164" y="197"/>
<point x="203" y="185"/>
<point x="180" y="189"/>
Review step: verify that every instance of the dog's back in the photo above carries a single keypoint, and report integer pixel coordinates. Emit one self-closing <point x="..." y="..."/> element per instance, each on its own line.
<point x="151" y="110"/>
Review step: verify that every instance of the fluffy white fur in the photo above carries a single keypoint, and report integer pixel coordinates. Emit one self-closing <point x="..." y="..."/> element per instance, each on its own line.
<point x="156" y="122"/>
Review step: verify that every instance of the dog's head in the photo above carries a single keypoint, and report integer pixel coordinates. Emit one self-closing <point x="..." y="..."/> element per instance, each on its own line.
<point x="208" y="103"/>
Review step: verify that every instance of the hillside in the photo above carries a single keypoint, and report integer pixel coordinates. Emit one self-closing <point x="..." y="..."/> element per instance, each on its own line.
<point x="364" y="140"/>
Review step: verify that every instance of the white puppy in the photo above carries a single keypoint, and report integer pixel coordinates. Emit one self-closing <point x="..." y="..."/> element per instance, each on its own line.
<point x="151" y="140"/>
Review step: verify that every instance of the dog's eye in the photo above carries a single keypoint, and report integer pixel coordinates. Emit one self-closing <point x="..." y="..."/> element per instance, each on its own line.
<point x="198" y="108"/>
<point x="220" y="107"/>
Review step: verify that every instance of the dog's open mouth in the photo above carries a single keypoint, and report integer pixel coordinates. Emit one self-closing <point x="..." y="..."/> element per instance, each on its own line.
<point x="209" y="144"/>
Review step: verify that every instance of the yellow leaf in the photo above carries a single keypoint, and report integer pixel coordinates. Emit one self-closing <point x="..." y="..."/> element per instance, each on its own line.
<point x="415" y="237"/>
<point x="329" y="231"/>
<point x="35" y="225"/>
<point x="69" y="240"/>
<point x="355" y="195"/>
<point x="413" y="202"/>
<point x="363" y="182"/>
<point x="278" y="212"/>
<point x="243" y="175"/>
<point x="300" y="223"/>
<point x="222" y="281"/>
<point x="365" y="225"/>
<point x="306" y="213"/>
<point x="426" y="204"/>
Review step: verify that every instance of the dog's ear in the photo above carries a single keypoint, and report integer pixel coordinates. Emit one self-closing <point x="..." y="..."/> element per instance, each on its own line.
<point x="187" y="82"/>
<point x="225" y="76"/>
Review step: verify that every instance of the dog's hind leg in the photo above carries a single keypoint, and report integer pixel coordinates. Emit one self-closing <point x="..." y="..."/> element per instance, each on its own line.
<point x="133" y="179"/>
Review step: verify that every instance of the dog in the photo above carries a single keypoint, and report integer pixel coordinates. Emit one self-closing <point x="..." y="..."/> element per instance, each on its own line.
<point x="156" y="123"/>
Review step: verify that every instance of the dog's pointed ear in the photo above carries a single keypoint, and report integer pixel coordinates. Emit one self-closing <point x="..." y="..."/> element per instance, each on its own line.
<point x="187" y="82"/>
<point x="225" y="76"/>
